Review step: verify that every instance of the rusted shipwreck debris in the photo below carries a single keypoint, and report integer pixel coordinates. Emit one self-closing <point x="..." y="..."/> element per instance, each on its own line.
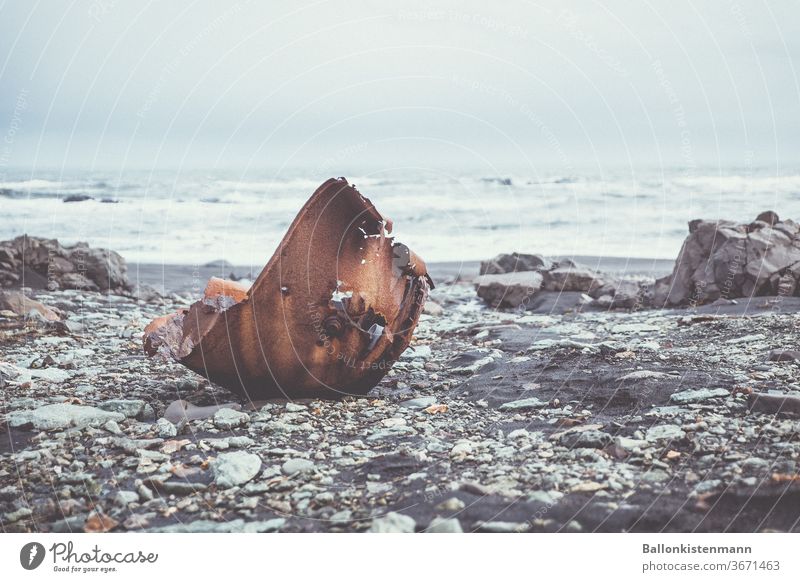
<point x="328" y="316"/>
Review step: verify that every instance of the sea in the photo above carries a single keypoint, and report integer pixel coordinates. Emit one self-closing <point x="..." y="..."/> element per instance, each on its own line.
<point x="199" y="216"/>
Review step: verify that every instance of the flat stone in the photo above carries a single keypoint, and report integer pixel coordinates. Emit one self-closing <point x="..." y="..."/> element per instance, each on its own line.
<point x="509" y="289"/>
<point x="125" y="498"/>
<point x="692" y="396"/>
<point x="664" y="432"/>
<point x="294" y="466"/>
<point x="61" y="416"/>
<point x="588" y="439"/>
<point x="165" y="428"/>
<point x="228" y="418"/>
<point x="461" y="450"/>
<point x="128" y="408"/>
<point x="545" y="497"/>
<point x="418" y="403"/>
<point x="746" y="339"/>
<point x="417" y="352"/>
<point x="524" y="404"/>
<point x="393" y="522"/>
<point x="236" y="468"/>
<point x="452" y="504"/>
<point x="181" y="487"/>
<point x="444" y="525"/>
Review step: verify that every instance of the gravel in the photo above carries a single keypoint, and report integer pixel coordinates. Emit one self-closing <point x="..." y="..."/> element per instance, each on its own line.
<point x="505" y="421"/>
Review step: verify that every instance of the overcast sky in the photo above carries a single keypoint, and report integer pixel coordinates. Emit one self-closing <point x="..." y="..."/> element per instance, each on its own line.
<point x="112" y="84"/>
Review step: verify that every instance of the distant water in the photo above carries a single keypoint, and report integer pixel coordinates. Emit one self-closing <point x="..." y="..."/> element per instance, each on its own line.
<point x="193" y="218"/>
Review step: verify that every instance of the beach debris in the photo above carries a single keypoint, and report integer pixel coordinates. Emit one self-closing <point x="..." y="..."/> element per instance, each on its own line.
<point x="330" y="313"/>
<point x="42" y="263"/>
<point x="724" y="259"/>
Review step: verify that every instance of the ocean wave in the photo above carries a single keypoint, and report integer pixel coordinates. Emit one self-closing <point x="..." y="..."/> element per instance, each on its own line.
<point x="35" y="184"/>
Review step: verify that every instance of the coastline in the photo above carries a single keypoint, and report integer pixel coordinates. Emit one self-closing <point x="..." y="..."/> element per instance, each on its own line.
<point x="184" y="278"/>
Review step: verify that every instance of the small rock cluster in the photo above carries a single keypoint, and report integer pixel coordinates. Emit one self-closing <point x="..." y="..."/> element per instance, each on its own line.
<point x="520" y="281"/>
<point x="720" y="261"/>
<point x="46" y="264"/>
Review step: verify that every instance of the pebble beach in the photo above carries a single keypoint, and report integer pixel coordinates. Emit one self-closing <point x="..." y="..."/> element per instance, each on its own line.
<point x="548" y="419"/>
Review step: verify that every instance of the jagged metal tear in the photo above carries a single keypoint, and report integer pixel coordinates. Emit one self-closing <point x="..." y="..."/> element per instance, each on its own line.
<point x="330" y="313"/>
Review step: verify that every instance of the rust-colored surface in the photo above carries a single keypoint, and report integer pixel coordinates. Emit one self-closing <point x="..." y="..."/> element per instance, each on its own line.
<point x="328" y="316"/>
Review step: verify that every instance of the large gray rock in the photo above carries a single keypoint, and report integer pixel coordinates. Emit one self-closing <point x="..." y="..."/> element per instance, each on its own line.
<point x="513" y="263"/>
<point x="61" y="416"/>
<point x="572" y="278"/>
<point x="723" y="259"/>
<point x="45" y="263"/>
<point x="509" y="289"/>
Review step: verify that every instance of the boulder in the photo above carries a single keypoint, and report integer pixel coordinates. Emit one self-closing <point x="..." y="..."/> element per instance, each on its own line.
<point x="724" y="260"/>
<point x="513" y="263"/>
<point x="508" y="289"/>
<point x="18" y="303"/>
<point x="41" y="262"/>
<point x="572" y="278"/>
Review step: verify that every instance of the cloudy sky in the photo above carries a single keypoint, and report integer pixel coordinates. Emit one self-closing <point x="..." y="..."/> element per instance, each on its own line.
<point x="108" y="83"/>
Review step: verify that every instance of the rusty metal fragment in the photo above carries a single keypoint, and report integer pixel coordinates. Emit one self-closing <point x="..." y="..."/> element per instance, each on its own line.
<point x="328" y="316"/>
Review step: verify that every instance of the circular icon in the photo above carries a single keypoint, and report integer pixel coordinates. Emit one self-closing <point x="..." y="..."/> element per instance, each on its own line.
<point x="31" y="555"/>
